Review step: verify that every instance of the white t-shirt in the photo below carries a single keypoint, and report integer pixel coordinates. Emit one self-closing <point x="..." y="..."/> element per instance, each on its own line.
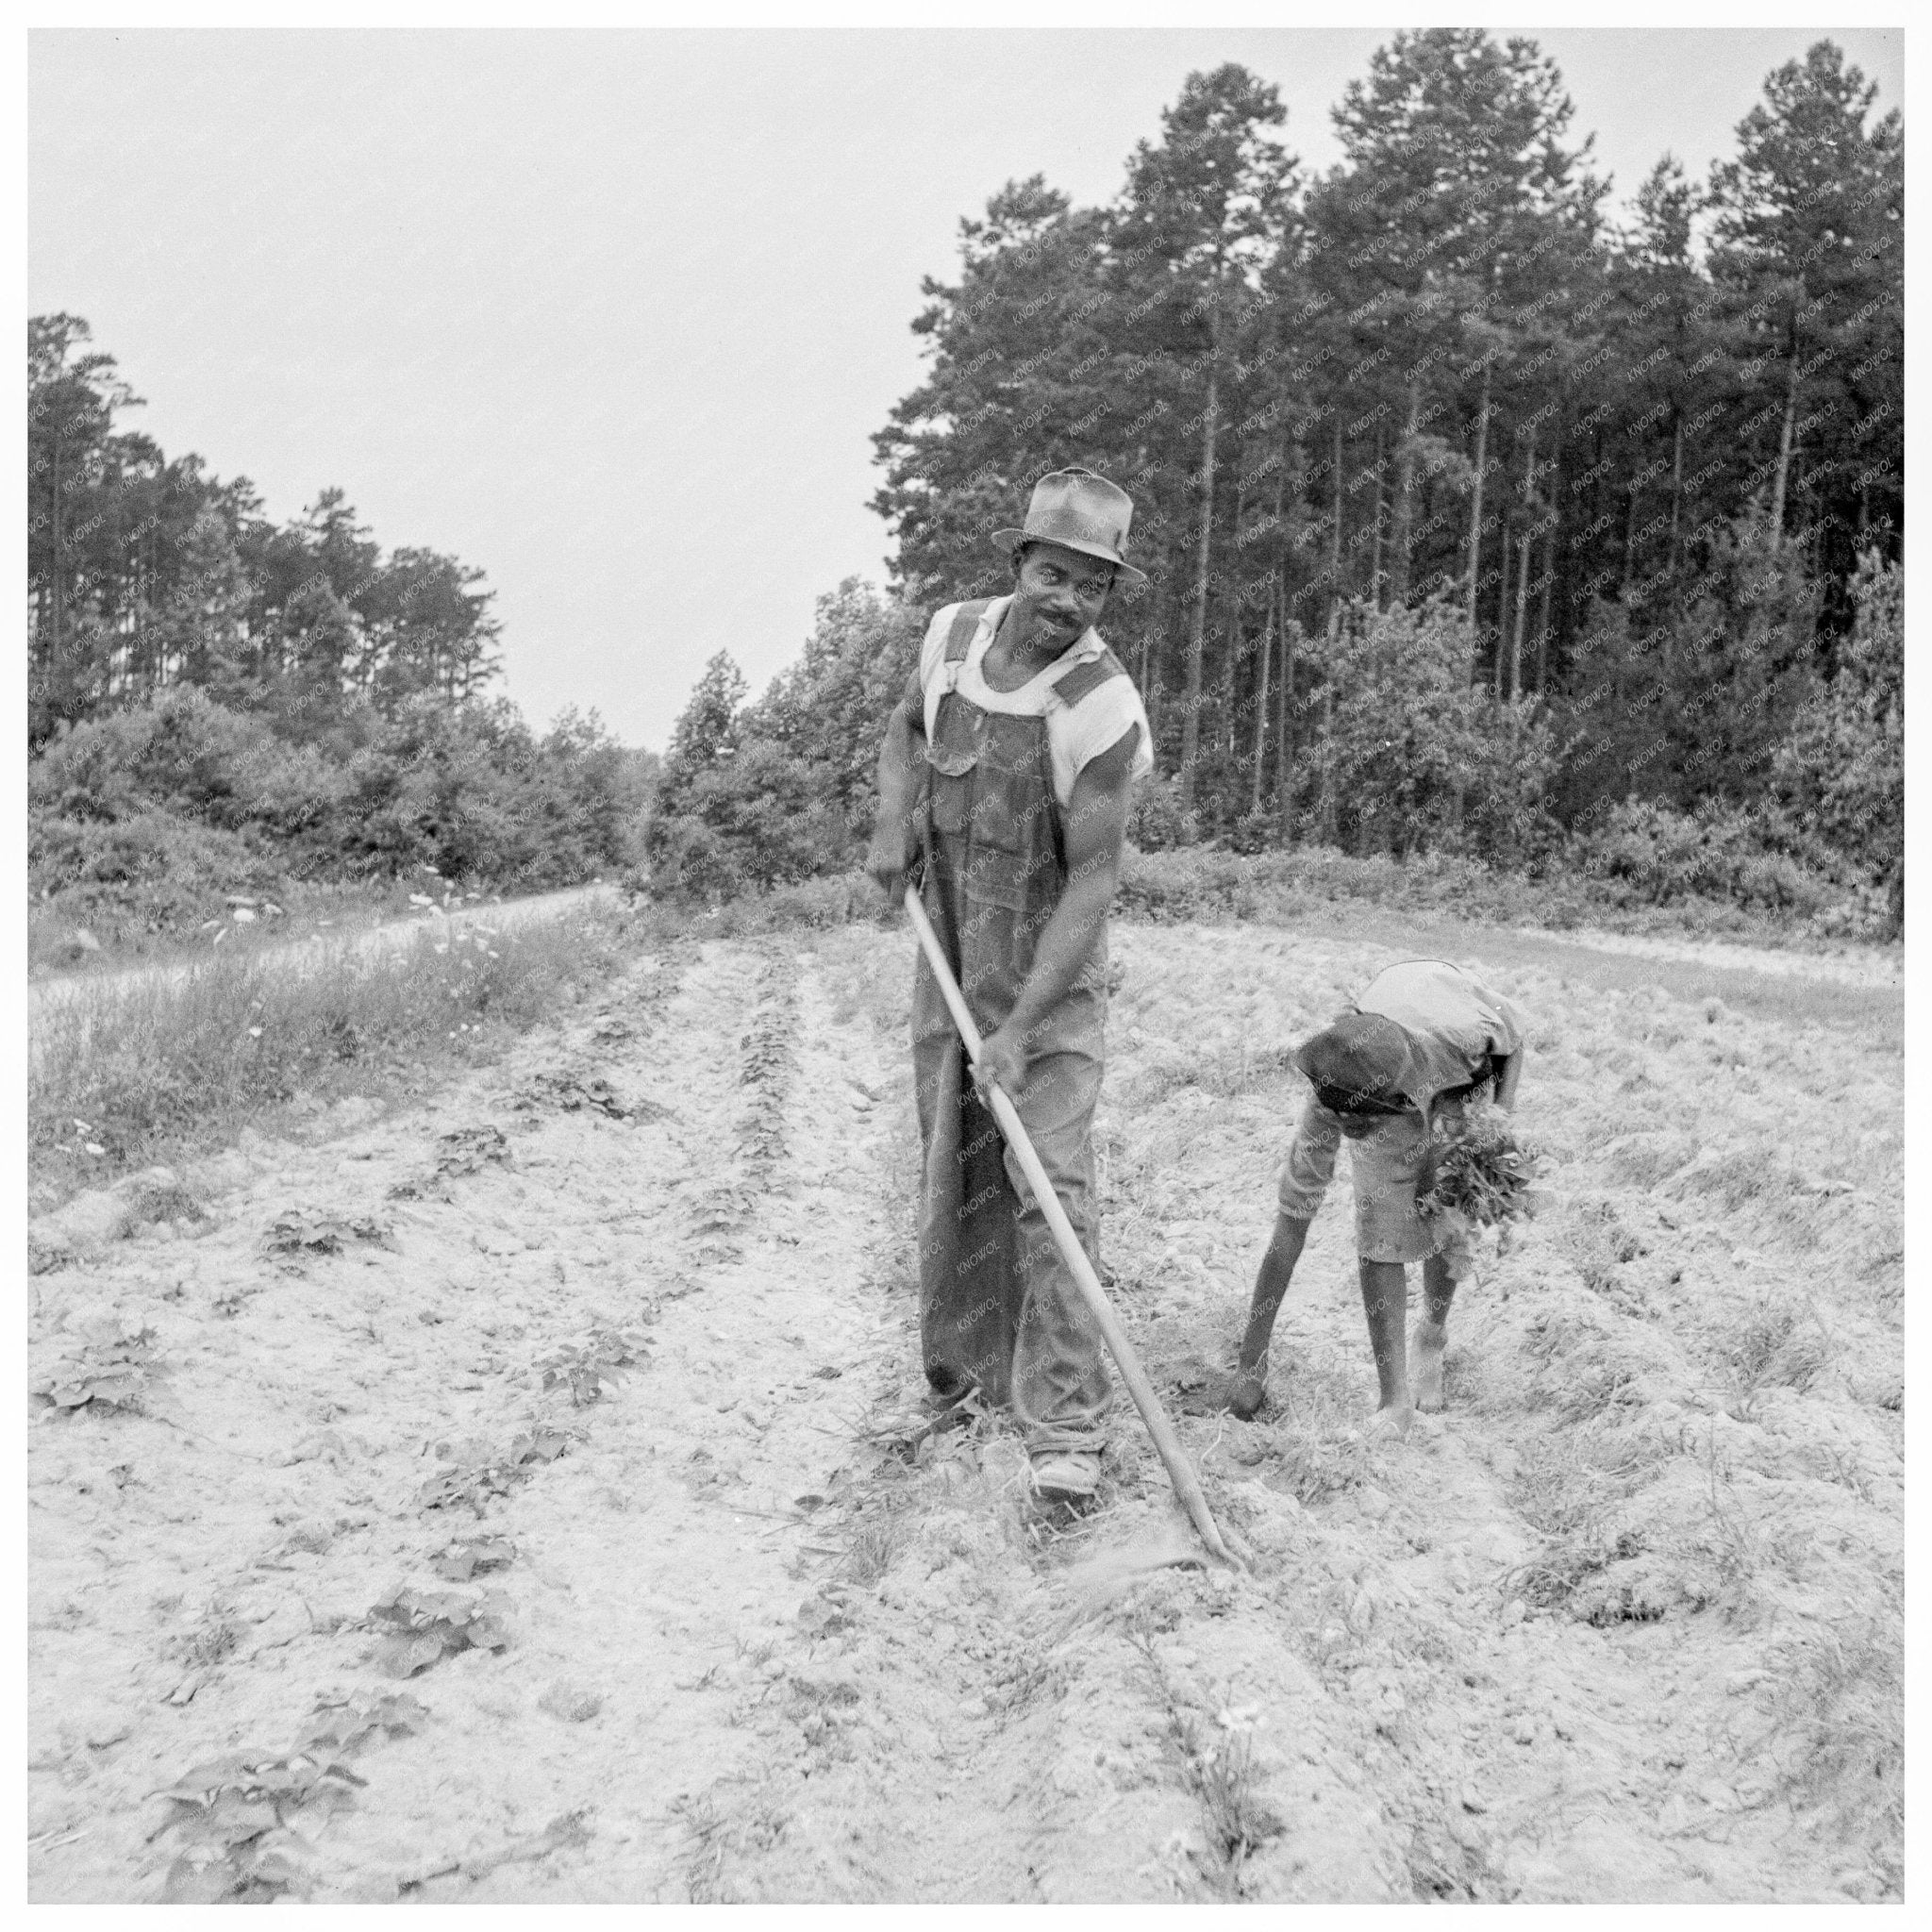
<point x="1076" y="734"/>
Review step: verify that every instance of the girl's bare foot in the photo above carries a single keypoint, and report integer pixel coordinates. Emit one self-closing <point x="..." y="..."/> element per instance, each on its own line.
<point x="1391" y="1420"/>
<point x="1425" y="1364"/>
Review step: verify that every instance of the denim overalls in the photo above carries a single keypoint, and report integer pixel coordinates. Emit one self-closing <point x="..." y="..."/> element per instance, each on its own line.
<point x="998" y="1307"/>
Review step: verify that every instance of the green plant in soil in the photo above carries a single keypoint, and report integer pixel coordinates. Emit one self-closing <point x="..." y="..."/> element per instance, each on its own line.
<point x="464" y="1557"/>
<point x="109" y="1372"/>
<point x="466" y="1150"/>
<point x="245" y="1822"/>
<point x="572" y="1092"/>
<point x="350" y="1723"/>
<point x="477" y="1473"/>
<point x="297" y="1233"/>
<point x="594" y="1367"/>
<point x="425" y="1625"/>
<point x="769" y="1061"/>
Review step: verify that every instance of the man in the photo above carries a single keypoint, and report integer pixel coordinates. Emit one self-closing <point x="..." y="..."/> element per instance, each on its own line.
<point x="1422" y="1036"/>
<point x="1004" y="786"/>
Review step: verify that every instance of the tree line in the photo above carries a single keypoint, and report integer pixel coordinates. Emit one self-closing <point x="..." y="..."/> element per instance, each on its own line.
<point x="145" y="571"/>
<point x="221" y="704"/>
<point x="1476" y="516"/>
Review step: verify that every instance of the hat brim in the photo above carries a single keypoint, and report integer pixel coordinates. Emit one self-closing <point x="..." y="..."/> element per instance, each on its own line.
<point x="1006" y="540"/>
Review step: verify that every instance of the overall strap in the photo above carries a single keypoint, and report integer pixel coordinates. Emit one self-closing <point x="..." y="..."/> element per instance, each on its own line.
<point x="965" y="623"/>
<point x="946" y="672"/>
<point x="1086" y="678"/>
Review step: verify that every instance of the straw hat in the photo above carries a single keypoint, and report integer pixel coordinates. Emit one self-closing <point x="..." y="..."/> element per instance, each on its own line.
<point x="1080" y="511"/>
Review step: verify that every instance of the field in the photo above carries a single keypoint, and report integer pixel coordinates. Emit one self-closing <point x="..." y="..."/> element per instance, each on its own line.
<point x="521" y="1492"/>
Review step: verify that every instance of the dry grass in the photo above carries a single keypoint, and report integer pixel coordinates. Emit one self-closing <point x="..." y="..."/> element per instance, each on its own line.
<point x="1781" y="1340"/>
<point x="179" y="1063"/>
<point x="875" y="1547"/>
<point x="1837" y="1726"/>
<point x="713" y="1838"/>
<point x="1217" y="1763"/>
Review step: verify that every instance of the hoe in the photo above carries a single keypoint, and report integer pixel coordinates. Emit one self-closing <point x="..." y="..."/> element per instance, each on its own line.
<point x="1187" y="1485"/>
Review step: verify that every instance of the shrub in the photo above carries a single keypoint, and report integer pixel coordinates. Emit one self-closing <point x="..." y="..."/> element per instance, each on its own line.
<point x="1840" y="774"/>
<point x="151" y="870"/>
<point x="1159" y="820"/>
<point x="1408" y="753"/>
<point x="690" y="859"/>
<point x="782" y="791"/>
<point x="147" y="817"/>
<point x="1661" y="855"/>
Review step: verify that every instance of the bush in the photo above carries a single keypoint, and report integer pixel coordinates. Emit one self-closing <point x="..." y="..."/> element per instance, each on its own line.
<point x="1158" y="821"/>
<point x="1662" y="856"/>
<point x="770" y="793"/>
<point x="1627" y="872"/>
<point x="153" y="871"/>
<point x="146" y="818"/>
<point x="1839" y="777"/>
<point x="179" y="751"/>
<point x="690" y="859"/>
<point x="1409" y="754"/>
<point x="1209" y="882"/>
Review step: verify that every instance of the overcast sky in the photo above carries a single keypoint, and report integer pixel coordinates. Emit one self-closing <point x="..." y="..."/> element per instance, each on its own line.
<point x="613" y="316"/>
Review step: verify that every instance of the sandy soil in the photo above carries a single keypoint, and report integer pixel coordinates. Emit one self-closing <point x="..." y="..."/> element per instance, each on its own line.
<point x="1623" y="1624"/>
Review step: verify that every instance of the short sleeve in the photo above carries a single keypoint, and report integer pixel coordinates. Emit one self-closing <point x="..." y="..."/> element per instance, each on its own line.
<point x="933" y="651"/>
<point x="1505" y="1017"/>
<point x="1094" y="725"/>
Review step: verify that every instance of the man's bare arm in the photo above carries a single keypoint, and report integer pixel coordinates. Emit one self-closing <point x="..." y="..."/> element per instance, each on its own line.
<point x="901" y="761"/>
<point x="1093" y="830"/>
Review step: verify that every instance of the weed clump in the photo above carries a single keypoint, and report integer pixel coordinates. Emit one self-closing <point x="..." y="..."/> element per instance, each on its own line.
<point x="1839" y="1725"/>
<point x="875" y="1548"/>
<point x="1482" y="1171"/>
<point x="1775" y="1345"/>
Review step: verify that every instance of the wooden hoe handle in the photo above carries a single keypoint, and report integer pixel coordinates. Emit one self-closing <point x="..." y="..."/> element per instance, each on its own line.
<point x="1187" y="1485"/>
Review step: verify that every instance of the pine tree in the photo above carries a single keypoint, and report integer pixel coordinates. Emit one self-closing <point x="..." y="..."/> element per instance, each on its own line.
<point x="1202" y="216"/>
<point x="1806" y="255"/>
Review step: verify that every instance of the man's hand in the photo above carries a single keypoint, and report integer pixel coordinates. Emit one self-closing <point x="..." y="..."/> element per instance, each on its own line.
<point x="1002" y="1060"/>
<point x="889" y="860"/>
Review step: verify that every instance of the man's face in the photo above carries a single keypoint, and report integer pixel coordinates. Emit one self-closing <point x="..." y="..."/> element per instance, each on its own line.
<point x="1057" y="594"/>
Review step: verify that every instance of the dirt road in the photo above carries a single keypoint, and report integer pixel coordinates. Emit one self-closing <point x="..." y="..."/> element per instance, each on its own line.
<point x="313" y="948"/>
<point x="1617" y="1627"/>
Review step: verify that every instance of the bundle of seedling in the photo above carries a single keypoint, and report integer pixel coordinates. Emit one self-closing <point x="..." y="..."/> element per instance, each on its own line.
<point x="1482" y="1171"/>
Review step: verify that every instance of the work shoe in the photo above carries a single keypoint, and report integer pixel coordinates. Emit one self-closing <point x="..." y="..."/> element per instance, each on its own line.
<point x="1067" y="1476"/>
